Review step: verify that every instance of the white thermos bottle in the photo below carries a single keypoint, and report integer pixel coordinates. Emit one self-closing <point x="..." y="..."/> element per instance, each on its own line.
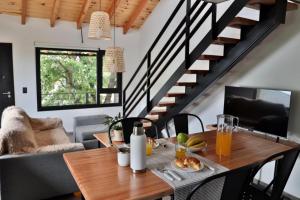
<point x="138" y="149"/>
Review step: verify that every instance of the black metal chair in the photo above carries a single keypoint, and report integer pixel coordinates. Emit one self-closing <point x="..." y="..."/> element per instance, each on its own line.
<point x="235" y="182"/>
<point x="127" y="127"/>
<point x="285" y="162"/>
<point x="181" y="123"/>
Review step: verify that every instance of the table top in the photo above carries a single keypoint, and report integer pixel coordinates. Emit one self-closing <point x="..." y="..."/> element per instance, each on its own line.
<point x="102" y="137"/>
<point x="98" y="175"/>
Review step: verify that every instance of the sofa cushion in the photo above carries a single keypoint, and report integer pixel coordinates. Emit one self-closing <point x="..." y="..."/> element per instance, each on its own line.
<point x="86" y="132"/>
<point x="17" y="135"/>
<point x="60" y="148"/>
<point x="45" y="123"/>
<point x="51" y="137"/>
<point x="89" y="120"/>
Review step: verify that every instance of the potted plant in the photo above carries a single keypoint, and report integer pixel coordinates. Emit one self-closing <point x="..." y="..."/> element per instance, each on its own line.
<point x="117" y="131"/>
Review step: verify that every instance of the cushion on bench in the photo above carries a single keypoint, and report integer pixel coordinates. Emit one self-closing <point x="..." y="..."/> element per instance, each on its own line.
<point x="86" y="132"/>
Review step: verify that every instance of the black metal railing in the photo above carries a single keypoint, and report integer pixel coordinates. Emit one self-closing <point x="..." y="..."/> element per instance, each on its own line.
<point x="156" y="67"/>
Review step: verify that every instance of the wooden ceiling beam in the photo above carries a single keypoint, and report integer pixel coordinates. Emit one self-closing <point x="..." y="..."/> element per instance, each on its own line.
<point x="23" y="11"/>
<point x="142" y="4"/>
<point x="111" y="10"/>
<point x="84" y="9"/>
<point x="54" y="12"/>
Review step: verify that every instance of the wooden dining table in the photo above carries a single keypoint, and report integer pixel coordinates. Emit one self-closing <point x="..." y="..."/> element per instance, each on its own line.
<point x="99" y="177"/>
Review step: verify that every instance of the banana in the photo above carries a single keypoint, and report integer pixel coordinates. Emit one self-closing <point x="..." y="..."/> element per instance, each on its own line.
<point x="193" y="141"/>
<point x="199" y="145"/>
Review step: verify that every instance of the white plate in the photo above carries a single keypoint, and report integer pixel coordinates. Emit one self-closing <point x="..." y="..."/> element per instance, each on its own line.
<point x="174" y="166"/>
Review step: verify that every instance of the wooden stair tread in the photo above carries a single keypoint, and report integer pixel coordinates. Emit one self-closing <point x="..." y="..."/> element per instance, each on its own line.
<point x="166" y="104"/>
<point x="264" y="2"/>
<point x="255" y="4"/>
<point x="225" y="40"/>
<point x="157" y="113"/>
<point x="240" y="21"/>
<point x="210" y="57"/>
<point x="292" y="6"/>
<point x="187" y="84"/>
<point x="199" y="72"/>
<point x="153" y="119"/>
<point x="175" y="94"/>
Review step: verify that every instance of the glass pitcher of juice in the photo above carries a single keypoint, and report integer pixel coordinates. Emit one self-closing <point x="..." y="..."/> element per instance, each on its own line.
<point x="225" y="127"/>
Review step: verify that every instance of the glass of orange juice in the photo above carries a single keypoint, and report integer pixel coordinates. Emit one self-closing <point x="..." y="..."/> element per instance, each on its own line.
<point x="180" y="150"/>
<point x="225" y="128"/>
<point x="149" y="147"/>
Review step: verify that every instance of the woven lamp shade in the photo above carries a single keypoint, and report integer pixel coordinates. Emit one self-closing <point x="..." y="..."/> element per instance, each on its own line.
<point x="99" y="26"/>
<point x="113" y="60"/>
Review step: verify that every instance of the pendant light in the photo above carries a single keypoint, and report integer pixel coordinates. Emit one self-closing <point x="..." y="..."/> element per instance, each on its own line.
<point x="113" y="60"/>
<point x="99" y="27"/>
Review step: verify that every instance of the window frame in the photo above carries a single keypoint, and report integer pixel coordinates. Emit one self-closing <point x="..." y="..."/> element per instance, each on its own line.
<point x="100" y="89"/>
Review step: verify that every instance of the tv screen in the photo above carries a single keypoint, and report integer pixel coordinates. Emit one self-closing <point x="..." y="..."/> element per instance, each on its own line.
<point x="264" y="110"/>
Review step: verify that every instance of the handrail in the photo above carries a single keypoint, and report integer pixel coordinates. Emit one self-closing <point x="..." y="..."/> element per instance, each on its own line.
<point x="197" y="26"/>
<point x="170" y="19"/>
<point x="168" y="52"/>
<point x="141" y="86"/>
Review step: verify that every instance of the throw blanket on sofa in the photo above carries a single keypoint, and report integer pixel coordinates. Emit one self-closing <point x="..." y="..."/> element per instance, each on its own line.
<point x="22" y="134"/>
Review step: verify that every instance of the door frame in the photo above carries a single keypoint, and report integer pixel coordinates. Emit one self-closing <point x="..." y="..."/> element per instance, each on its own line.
<point x="11" y="72"/>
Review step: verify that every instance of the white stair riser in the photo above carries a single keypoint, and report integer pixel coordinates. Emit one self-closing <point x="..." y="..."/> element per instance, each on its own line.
<point x="159" y="109"/>
<point x="177" y="90"/>
<point x="152" y="117"/>
<point x="188" y="78"/>
<point x="201" y="65"/>
<point x="249" y="13"/>
<point x="230" y="32"/>
<point x="148" y="124"/>
<point x="167" y="100"/>
<point x="214" y="50"/>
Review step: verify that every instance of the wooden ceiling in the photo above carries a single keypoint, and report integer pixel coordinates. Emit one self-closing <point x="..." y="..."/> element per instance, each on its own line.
<point x="129" y="13"/>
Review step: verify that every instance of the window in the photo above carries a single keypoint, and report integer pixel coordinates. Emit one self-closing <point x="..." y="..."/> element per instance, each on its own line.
<point x="70" y="79"/>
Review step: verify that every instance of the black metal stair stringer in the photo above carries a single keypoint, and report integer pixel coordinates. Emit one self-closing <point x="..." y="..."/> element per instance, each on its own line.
<point x="271" y="20"/>
<point x="255" y="36"/>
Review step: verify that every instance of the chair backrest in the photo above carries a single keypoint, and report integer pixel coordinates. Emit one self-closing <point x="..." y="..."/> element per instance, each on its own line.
<point x="235" y="182"/>
<point x="181" y="123"/>
<point x="285" y="162"/>
<point x="127" y="127"/>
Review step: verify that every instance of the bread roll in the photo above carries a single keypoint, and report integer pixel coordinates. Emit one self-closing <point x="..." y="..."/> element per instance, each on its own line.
<point x="180" y="163"/>
<point x="192" y="163"/>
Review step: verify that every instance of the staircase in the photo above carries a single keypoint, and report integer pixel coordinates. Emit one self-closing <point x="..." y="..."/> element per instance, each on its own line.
<point x="228" y="41"/>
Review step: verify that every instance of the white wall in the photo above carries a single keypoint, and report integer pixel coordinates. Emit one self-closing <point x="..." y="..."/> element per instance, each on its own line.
<point x="273" y="64"/>
<point x="64" y="34"/>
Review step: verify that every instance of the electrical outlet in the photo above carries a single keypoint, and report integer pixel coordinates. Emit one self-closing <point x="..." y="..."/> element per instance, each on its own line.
<point x="24" y="90"/>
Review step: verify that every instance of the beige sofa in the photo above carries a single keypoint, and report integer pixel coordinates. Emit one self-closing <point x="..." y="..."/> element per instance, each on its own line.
<point x="31" y="161"/>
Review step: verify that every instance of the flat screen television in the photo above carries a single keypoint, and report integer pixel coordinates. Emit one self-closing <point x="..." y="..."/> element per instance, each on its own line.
<point x="264" y="110"/>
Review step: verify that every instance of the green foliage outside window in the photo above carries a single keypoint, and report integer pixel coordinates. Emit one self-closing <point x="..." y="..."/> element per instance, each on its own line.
<point x="70" y="78"/>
